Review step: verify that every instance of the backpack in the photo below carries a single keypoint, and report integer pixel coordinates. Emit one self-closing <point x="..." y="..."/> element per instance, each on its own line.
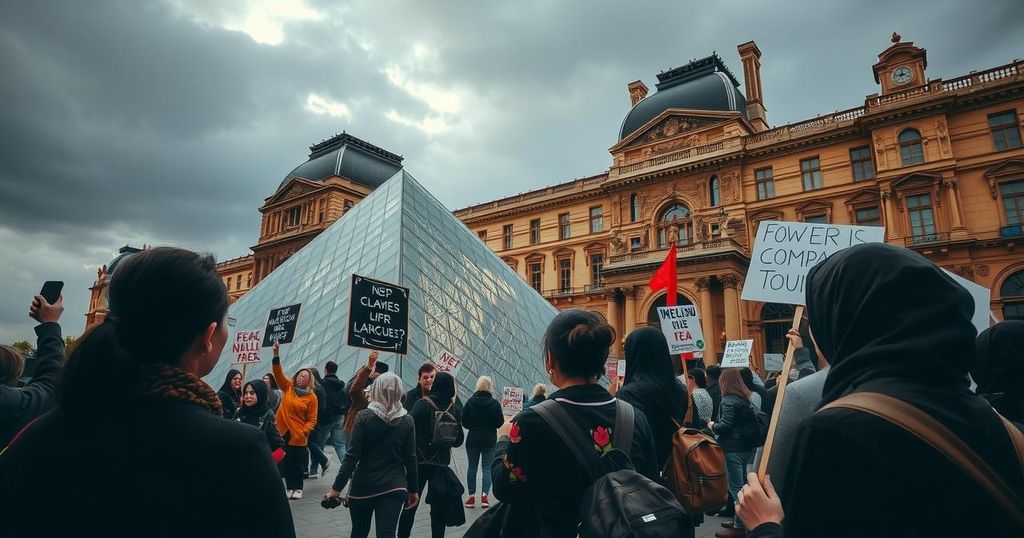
<point x="620" y="502"/>
<point x="338" y="400"/>
<point x="754" y="426"/>
<point x="695" y="470"/>
<point x="445" y="429"/>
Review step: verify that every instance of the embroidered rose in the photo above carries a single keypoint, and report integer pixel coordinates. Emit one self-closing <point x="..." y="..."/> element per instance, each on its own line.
<point x="515" y="474"/>
<point x="513" y="434"/>
<point x="602" y="439"/>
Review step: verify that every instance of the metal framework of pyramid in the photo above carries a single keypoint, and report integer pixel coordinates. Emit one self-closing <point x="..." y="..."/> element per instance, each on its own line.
<point x="463" y="298"/>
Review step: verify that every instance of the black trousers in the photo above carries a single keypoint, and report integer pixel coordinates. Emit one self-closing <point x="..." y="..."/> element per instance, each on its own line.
<point x="426" y="472"/>
<point x="294" y="465"/>
<point x="384" y="510"/>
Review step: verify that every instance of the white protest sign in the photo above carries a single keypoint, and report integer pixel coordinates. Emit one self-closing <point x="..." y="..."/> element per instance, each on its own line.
<point x="621" y="370"/>
<point x="447" y="362"/>
<point x="511" y="401"/>
<point x="785" y="251"/>
<point x="246" y="347"/>
<point x="681" y="326"/>
<point x="982" y="297"/>
<point x="773" y="362"/>
<point x="737" y="353"/>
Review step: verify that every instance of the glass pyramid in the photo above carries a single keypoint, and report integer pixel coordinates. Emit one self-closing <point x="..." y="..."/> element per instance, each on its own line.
<point x="463" y="298"/>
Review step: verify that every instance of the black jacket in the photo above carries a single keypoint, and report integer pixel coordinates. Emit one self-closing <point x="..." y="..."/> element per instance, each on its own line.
<point x="267" y="425"/>
<point x="482" y="416"/>
<point x="716" y="398"/>
<point x="19" y="405"/>
<point x="534" y="470"/>
<point x="444" y="495"/>
<point x="663" y="421"/>
<point x="423" y="415"/>
<point x="138" y="484"/>
<point x="336" y="396"/>
<point x="414" y="395"/>
<point x="737" y="418"/>
<point x="381" y="457"/>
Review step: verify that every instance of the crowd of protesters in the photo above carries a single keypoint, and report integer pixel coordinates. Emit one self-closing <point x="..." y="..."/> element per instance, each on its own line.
<point x="129" y="403"/>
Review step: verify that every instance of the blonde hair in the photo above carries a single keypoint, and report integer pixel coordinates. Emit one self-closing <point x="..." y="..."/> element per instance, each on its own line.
<point x="12" y="365"/>
<point x="485" y="383"/>
<point x="540" y="389"/>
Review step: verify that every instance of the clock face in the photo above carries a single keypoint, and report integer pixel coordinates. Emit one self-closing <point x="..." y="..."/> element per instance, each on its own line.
<point x="901" y="75"/>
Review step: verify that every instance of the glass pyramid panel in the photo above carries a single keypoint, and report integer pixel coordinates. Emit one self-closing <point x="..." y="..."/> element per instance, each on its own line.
<point x="463" y="298"/>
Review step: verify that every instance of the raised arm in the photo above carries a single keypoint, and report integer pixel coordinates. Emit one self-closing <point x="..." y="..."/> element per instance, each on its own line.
<point x="283" y="382"/>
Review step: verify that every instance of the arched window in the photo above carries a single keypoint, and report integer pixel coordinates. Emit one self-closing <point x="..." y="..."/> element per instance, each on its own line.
<point x="634" y="208"/>
<point x="714" y="190"/>
<point x="1012" y="293"/>
<point x="911" y="151"/>
<point x="675" y="222"/>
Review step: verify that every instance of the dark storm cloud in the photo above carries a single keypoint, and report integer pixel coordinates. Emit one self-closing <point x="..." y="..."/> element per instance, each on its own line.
<point x="127" y="121"/>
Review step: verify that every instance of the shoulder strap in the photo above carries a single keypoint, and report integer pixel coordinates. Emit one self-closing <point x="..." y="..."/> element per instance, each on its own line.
<point x="1017" y="438"/>
<point x="939" y="437"/>
<point x="569" y="432"/>
<point x="625" y="417"/>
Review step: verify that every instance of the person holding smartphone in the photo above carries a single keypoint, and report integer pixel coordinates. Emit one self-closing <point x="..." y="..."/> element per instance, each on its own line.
<point x="20" y="405"/>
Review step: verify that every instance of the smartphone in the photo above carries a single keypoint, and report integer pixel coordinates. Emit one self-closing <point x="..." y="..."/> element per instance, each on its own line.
<point x="51" y="290"/>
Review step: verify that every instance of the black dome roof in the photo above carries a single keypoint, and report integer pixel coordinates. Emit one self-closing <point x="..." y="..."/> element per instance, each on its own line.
<point x="704" y="84"/>
<point x="122" y="254"/>
<point x="349" y="157"/>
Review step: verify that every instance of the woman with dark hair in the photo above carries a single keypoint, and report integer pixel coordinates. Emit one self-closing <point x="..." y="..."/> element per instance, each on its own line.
<point x="140" y="372"/>
<point x="256" y="411"/>
<point x="889" y="322"/>
<point x="430" y="458"/>
<point x="757" y="391"/>
<point x="296" y="418"/>
<point x="697" y="384"/>
<point x="274" y="392"/>
<point x="732" y="429"/>
<point x="230" y="393"/>
<point x="533" y="469"/>
<point x="999" y="368"/>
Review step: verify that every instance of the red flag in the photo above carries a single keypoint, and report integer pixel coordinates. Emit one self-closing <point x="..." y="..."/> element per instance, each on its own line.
<point x="665" y="277"/>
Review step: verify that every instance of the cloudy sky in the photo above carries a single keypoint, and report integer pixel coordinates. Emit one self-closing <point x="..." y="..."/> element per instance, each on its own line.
<point x="168" y="121"/>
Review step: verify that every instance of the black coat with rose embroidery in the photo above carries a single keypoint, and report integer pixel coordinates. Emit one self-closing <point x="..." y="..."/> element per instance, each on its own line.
<point x="538" y="474"/>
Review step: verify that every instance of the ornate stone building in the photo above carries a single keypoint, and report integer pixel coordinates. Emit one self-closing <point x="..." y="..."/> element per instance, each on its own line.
<point x="98" y="291"/>
<point x="938" y="162"/>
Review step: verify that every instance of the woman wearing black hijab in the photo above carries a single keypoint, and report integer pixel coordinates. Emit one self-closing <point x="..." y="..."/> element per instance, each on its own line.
<point x="230" y="393"/>
<point x="256" y="411"/>
<point x="888" y="320"/>
<point x="999" y="369"/>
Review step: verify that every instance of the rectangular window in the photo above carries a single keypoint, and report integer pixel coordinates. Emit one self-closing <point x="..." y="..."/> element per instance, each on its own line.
<point x="596" y="264"/>
<point x="563" y="226"/>
<point x="535" y="276"/>
<point x="868" y="216"/>
<point x="293" y="216"/>
<point x="565" y="275"/>
<point x="765" y="183"/>
<point x="634" y="244"/>
<point x="322" y="211"/>
<point x="482" y="234"/>
<point x="1005" y="134"/>
<point x="238" y="282"/>
<point x="348" y="204"/>
<point x="860" y="160"/>
<point x="596" y="222"/>
<point x="810" y="170"/>
<point x="506" y="236"/>
<point x="534" y="231"/>
<point x="817" y="219"/>
<point x="1013" y="202"/>
<point x="922" y="219"/>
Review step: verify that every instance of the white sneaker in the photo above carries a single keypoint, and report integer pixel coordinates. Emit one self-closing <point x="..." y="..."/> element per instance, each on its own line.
<point x="297" y="494"/>
<point x="289" y="493"/>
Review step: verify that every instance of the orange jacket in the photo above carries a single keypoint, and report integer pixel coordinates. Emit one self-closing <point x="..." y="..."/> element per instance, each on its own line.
<point x="296" y="417"/>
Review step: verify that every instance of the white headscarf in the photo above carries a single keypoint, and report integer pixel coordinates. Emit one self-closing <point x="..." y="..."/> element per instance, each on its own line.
<point x="386" y="397"/>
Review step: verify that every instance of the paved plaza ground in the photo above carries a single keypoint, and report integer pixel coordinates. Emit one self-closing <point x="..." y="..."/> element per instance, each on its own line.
<point x="313" y="521"/>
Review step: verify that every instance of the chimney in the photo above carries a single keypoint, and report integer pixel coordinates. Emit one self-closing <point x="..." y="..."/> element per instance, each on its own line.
<point x="750" y="55"/>
<point x="637" y="91"/>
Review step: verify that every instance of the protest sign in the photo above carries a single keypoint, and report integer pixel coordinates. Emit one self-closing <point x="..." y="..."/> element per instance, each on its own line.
<point x="982" y="298"/>
<point x="246" y="347"/>
<point x="611" y="369"/>
<point x="681" y="327"/>
<point x="378" y="315"/>
<point x="737" y="353"/>
<point x="447" y="362"/>
<point x="785" y="251"/>
<point x="773" y="362"/>
<point x="620" y="370"/>
<point x="281" y="325"/>
<point x="511" y="401"/>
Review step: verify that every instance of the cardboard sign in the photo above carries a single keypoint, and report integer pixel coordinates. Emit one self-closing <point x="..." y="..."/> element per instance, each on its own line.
<point x="611" y="369"/>
<point x="982" y="299"/>
<point x="446" y="362"/>
<point x="378" y="316"/>
<point x="737" y="353"/>
<point x="773" y="362"/>
<point x="620" y="370"/>
<point x="511" y="401"/>
<point x="281" y="325"/>
<point x="246" y="347"/>
<point x="681" y="327"/>
<point x="785" y="251"/>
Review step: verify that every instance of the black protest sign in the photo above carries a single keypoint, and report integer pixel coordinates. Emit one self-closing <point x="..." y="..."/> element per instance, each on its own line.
<point x="281" y="325"/>
<point x="378" y="316"/>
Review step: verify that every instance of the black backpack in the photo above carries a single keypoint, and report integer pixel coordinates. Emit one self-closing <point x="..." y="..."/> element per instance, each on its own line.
<point x="620" y="502"/>
<point x="445" y="427"/>
<point x="755" y="426"/>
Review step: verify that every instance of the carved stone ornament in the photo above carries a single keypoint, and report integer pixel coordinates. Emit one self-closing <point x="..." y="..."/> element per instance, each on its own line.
<point x="943" y="132"/>
<point x="949" y="182"/>
<point x="612" y="294"/>
<point x="675" y="125"/>
<point x="703" y="283"/>
<point x="645" y="238"/>
<point x="730" y="281"/>
<point x="673" y="234"/>
<point x="965" y="270"/>
<point x="983" y="270"/>
<point x="879" y="145"/>
<point x="618" y="243"/>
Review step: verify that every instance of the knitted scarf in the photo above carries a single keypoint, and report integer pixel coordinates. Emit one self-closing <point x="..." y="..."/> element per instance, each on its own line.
<point x="163" y="381"/>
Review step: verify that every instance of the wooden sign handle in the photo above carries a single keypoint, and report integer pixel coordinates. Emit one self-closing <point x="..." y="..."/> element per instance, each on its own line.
<point x="766" y="454"/>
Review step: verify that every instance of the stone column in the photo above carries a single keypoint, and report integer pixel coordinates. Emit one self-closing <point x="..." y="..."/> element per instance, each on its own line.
<point x="707" y="321"/>
<point x="612" y="295"/>
<point x="890" y="217"/>
<point x="630" y="324"/>
<point x="732" y="306"/>
<point x="950" y="185"/>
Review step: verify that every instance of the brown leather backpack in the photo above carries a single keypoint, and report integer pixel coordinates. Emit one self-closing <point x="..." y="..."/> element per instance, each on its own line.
<point x="695" y="470"/>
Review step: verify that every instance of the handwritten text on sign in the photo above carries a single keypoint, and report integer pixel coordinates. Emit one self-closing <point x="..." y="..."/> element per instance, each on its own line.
<point x="773" y="362"/>
<point x="611" y="369"/>
<point x="785" y="251"/>
<point x="737" y="353"/>
<point x="281" y="325"/>
<point x="378" y="315"/>
<point x="681" y="327"/>
<point x="511" y="401"/>
<point x="446" y="362"/>
<point x="246" y="347"/>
